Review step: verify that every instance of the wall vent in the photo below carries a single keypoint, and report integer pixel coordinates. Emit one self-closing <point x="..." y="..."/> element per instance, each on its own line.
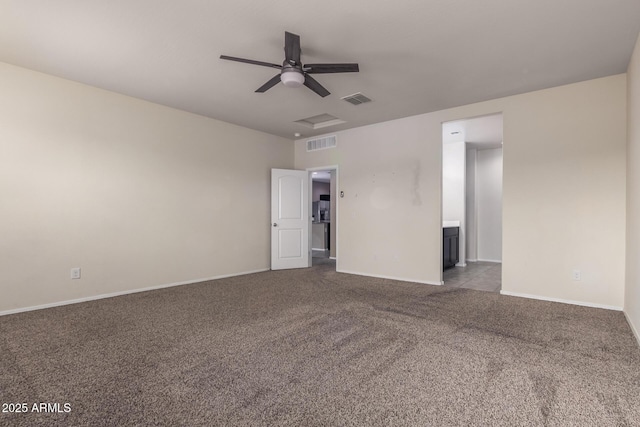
<point x="322" y="143"/>
<point x="356" y="99"/>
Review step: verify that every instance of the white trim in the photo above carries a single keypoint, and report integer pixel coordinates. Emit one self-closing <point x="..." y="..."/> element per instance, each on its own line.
<point x="318" y="249"/>
<point x="119" y="293"/>
<point x="332" y="257"/>
<point x="497" y="261"/>
<point x="401" y="279"/>
<point x="564" y="301"/>
<point x="472" y="260"/>
<point x="461" y="265"/>
<point x="633" y="328"/>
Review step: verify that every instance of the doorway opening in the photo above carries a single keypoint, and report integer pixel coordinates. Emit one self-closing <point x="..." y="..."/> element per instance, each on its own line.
<point x="472" y="203"/>
<point x="323" y="216"/>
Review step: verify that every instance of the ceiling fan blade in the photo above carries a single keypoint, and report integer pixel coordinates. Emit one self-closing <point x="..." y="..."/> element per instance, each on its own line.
<point x="330" y="68"/>
<point x="268" y="85"/>
<point x="292" y="48"/>
<point x="313" y="84"/>
<point x="251" y="61"/>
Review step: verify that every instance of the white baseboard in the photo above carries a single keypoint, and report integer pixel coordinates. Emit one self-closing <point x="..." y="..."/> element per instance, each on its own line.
<point x="319" y="249"/>
<point x="564" y="301"/>
<point x="472" y="260"/>
<point x="497" y="261"/>
<point x="332" y="257"/>
<point x="117" y="294"/>
<point x="400" y="279"/>
<point x="633" y="327"/>
<point x="461" y="265"/>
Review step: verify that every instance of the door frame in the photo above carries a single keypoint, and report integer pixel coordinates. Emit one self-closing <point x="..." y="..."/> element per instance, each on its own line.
<point x="442" y="123"/>
<point x="336" y="196"/>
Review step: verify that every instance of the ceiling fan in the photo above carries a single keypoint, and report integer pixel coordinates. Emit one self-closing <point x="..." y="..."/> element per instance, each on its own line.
<point x="292" y="72"/>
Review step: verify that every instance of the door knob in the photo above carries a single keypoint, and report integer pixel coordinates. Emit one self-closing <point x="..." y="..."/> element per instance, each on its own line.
<point x="275" y="224"/>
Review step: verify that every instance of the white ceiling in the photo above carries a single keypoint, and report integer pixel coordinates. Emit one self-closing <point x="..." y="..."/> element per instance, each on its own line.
<point x="415" y="56"/>
<point x="321" y="176"/>
<point x="478" y="132"/>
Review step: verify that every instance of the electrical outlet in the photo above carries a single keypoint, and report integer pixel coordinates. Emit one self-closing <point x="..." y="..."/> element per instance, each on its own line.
<point x="75" y="273"/>
<point x="577" y="275"/>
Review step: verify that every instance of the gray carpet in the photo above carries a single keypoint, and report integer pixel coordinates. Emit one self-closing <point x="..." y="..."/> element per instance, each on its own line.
<point x="315" y="347"/>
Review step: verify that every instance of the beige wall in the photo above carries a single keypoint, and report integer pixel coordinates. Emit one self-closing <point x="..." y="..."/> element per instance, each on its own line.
<point x="136" y="194"/>
<point x="489" y="204"/>
<point x="563" y="194"/>
<point x="384" y="216"/>
<point x="632" y="298"/>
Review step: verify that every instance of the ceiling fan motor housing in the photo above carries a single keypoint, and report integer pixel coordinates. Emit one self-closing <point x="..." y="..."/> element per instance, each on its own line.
<point x="291" y="76"/>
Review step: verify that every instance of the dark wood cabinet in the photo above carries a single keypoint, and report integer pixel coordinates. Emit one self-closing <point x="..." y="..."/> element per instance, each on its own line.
<point x="450" y="250"/>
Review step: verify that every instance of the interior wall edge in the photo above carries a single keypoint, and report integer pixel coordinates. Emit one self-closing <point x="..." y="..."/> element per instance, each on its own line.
<point x="635" y="331"/>
<point x="136" y="194"/>
<point x="126" y="292"/>
<point x="561" y="300"/>
<point x="632" y="234"/>
<point x="399" y="279"/>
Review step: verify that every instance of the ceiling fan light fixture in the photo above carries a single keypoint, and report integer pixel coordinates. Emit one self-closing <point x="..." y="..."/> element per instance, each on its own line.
<point x="292" y="78"/>
<point x="292" y="72"/>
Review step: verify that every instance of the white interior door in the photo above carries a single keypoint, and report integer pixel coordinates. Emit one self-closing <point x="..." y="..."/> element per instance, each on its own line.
<point x="289" y="219"/>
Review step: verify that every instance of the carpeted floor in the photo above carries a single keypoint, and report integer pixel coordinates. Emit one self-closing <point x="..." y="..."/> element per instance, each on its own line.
<point x="318" y="348"/>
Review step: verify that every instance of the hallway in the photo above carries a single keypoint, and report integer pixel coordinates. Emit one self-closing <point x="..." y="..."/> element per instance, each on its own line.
<point x="481" y="276"/>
